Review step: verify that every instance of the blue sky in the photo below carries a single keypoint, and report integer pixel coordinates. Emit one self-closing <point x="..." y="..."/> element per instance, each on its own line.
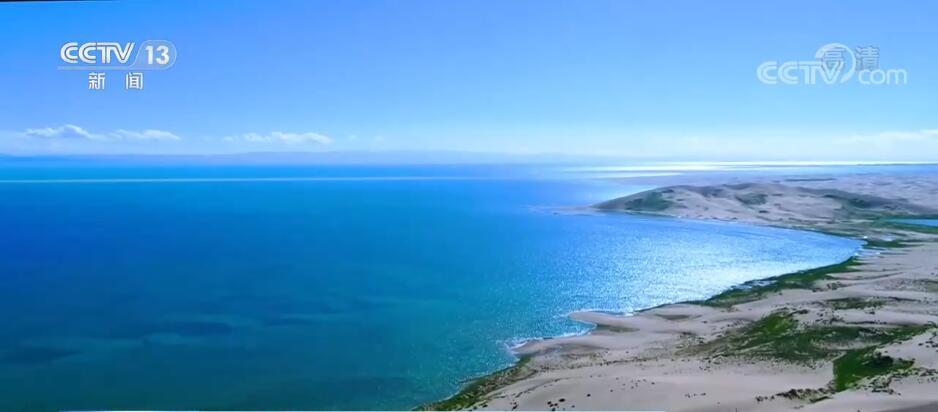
<point x="656" y="79"/>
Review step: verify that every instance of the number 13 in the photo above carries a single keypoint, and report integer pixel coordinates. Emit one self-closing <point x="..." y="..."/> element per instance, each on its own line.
<point x="162" y="58"/>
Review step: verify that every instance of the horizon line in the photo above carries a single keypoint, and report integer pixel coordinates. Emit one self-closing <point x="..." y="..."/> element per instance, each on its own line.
<point x="558" y="157"/>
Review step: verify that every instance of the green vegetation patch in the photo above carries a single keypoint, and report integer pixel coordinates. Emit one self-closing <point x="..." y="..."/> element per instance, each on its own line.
<point x="781" y="336"/>
<point x="926" y="285"/>
<point x="854" y="350"/>
<point x="475" y="391"/>
<point x="913" y="227"/>
<point x="651" y="202"/>
<point x="898" y="222"/>
<point x="752" y="199"/>
<point x="855" y="303"/>
<point x="860" y="364"/>
<point x="887" y="244"/>
<point x="755" y="290"/>
<point x="860" y="203"/>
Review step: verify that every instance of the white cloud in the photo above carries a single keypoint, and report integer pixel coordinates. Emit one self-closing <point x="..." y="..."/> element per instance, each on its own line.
<point x="148" y="134"/>
<point x="70" y="131"/>
<point x="893" y="137"/>
<point x="282" y="137"/>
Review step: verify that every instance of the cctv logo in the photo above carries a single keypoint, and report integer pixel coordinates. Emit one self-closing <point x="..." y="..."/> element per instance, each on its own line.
<point x="96" y="52"/>
<point x="146" y="55"/>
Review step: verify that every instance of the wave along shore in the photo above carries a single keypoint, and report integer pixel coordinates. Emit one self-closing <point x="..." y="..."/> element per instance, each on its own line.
<point x="859" y="335"/>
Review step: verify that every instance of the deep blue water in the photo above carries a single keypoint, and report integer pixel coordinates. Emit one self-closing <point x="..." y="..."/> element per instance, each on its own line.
<point x="319" y="294"/>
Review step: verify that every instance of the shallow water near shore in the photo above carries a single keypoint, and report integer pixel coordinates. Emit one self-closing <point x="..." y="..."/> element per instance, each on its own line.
<point x="232" y="288"/>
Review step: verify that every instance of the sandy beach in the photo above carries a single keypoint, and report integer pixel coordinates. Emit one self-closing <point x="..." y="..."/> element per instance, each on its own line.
<point x="858" y="336"/>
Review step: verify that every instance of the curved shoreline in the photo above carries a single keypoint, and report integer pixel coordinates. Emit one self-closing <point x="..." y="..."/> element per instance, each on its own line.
<point x="506" y="389"/>
<point x="476" y="388"/>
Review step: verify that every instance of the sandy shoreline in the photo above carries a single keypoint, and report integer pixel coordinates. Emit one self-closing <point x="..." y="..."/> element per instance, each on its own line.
<point x="856" y="336"/>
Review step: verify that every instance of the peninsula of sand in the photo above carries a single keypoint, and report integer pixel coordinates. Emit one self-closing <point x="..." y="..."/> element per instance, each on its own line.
<point x="857" y="336"/>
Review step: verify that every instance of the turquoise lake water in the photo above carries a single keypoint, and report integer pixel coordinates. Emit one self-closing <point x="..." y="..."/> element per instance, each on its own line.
<point x="213" y="288"/>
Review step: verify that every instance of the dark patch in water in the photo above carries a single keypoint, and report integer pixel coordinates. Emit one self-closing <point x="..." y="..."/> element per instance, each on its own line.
<point x="288" y="321"/>
<point x="199" y="328"/>
<point x="182" y="328"/>
<point x="31" y="355"/>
